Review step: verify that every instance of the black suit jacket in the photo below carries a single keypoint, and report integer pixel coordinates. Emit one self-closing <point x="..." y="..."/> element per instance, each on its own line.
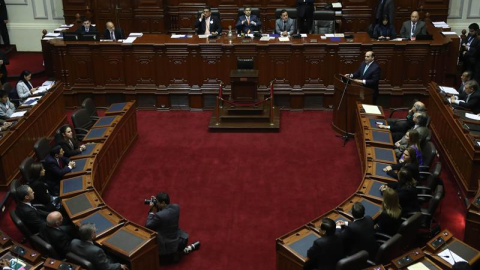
<point x="473" y="102"/>
<point x="93" y="254"/>
<point x="407" y="197"/>
<point x="371" y="75"/>
<point x="58" y="238"/>
<point x="3" y="11"/>
<point x="69" y="150"/>
<point x="388" y="9"/>
<point x="118" y="34"/>
<point x="215" y="25"/>
<point x="325" y="253"/>
<point x="34" y="219"/>
<point x="360" y="235"/>
<point x="3" y="68"/>
<point x="305" y="9"/>
<point x="91" y="30"/>
<point x="53" y="173"/>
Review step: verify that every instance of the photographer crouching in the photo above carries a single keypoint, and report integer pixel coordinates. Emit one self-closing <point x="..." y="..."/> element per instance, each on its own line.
<point x="163" y="218"/>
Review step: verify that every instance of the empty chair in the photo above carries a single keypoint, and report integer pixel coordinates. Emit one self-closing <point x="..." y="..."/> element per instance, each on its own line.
<point x="42" y="148"/>
<point x="91" y="108"/>
<point x="74" y="258"/>
<point x="409" y="230"/>
<point x="81" y="122"/>
<point x="353" y="262"/>
<point x="388" y="250"/>
<point x="429" y="228"/>
<point x="13" y="189"/>
<point x="429" y="152"/>
<point x="323" y="22"/>
<point x="431" y="182"/>
<point x="25" y="169"/>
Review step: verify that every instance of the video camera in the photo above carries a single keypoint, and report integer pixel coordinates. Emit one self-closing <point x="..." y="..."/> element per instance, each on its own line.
<point x="151" y="200"/>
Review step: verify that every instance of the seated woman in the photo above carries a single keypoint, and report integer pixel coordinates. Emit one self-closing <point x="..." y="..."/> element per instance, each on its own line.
<point x="69" y="143"/>
<point x="409" y="161"/>
<point x="412" y="139"/>
<point x="406" y="190"/>
<point x="24" y="86"/>
<point x="40" y="188"/>
<point x="6" y="107"/>
<point x="390" y="219"/>
<point x="384" y="30"/>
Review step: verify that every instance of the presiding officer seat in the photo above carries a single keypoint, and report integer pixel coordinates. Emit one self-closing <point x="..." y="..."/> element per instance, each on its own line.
<point x="323" y="22"/>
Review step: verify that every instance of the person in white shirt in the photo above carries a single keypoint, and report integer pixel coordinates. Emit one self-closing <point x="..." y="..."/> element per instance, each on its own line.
<point x="208" y="24"/>
<point x="6" y="107"/>
<point x="24" y="86"/>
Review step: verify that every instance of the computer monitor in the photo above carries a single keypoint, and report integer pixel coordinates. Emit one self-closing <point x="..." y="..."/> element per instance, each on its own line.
<point x="90" y="37"/>
<point x="244" y="63"/>
<point x="70" y="36"/>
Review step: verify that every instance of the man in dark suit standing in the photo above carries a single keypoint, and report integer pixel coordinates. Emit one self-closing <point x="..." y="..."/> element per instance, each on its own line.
<point x="305" y="10"/>
<point x="385" y="8"/>
<point x="327" y="250"/>
<point x="56" y="234"/>
<point x="56" y="166"/>
<point x="3" y="23"/>
<point x="248" y="23"/>
<point x="471" y="99"/>
<point x="33" y="218"/>
<point x="413" y="27"/>
<point x="85" y="248"/>
<point x="471" y="53"/>
<point x="368" y="74"/>
<point x="163" y="218"/>
<point x="87" y="27"/>
<point x="208" y="24"/>
<point x="359" y="234"/>
<point x="113" y="33"/>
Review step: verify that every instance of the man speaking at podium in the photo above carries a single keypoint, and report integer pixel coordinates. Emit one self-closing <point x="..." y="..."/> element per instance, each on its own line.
<point x="368" y="74"/>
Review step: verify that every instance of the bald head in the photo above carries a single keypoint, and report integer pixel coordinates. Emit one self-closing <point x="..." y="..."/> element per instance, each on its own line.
<point x="54" y="219"/>
<point x="419" y="107"/>
<point x="414" y="17"/>
<point x="110" y="26"/>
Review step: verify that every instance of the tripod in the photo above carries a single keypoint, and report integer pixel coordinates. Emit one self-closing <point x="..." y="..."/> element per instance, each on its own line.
<point x="346" y="135"/>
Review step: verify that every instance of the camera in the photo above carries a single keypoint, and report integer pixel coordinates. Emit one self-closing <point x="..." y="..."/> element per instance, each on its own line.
<point x="192" y="247"/>
<point x="152" y="200"/>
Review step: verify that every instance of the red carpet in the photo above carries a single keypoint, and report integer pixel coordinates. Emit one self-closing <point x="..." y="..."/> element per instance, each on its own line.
<point x="240" y="191"/>
<point x="24" y="61"/>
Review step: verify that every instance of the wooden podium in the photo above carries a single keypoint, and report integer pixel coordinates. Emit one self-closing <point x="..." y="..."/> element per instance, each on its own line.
<point x="245" y="109"/>
<point x="344" y="115"/>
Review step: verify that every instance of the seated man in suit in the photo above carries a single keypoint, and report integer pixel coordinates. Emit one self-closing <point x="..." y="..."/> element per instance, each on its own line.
<point x="285" y="26"/>
<point x="85" y="248"/>
<point x="368" y="74"/>
<point x="56" y="234"/>
<point x="86" y="27"/>
<point x="466" y="76"/>
<point x="414" y="27"/>
<point x="327" y="250"/>
<point x="471" y="98"/>
<point x="359" y="234"/>
<point x="399" y="127"/>
<point x="208" y="24"/>
<point x="420" y="120"/>
<point x="33" y="218"/>
<point x="248" y="23"/>
<point x="6" y="107"/>
<point x="56" y="166"/>
<point x="113" y="33"/>
<point x="163" y="218"/>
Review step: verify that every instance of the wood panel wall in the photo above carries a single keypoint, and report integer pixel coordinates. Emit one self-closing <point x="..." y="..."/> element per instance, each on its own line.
<point x="168" y="16"/>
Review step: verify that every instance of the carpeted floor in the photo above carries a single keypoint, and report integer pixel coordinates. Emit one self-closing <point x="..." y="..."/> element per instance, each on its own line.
<point x="240" y="191"/>
<point x="19" y="62"/>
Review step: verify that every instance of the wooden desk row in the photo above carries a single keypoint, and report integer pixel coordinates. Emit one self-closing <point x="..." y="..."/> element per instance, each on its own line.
<point x="41" y="120"/>
<point x="376" y="152"/>
<point x="80" y="191"/>
<point x="162" y="73"/>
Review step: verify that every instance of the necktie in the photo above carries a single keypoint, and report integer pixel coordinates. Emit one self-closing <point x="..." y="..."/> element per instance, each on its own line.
<point x="248" y="20"/>
<point x="284" y="26"/>
<point x="60" y="163"/>
<point x="413" y="29"/>
<point x="468" y="97"/>
<point x="70" y="143"/>
<point x="365" y="70"/>
<point x="86" y="30"/>
<point x="112" y="35"/>
<point x="207" y="27"/>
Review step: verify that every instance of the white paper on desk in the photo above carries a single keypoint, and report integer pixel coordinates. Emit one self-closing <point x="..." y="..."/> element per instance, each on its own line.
<point x="303" y="35"/>
<point x="267" y="38"/>
<point x="339" y="35"/>
<point x="48" y="38"/>
<point x="129" y="40"/>
<point x="202" y="36"/>
<point x="448" y="90"/>
<point x="53" y="34"/>
<point x="48" y="83"/>
<point x="107" y="40"/>
<point x="397" y="39"/>
<point x="18" y="114"/>
<point x="450" y="256"/>
<point x="472" y="116"/>
<point x="337" y="5"/>
<point x="178" y="36"/>
<point x="418" y="266"/>
<point x="371" y="109"/>
<point x="330" y="35"/>
<point x="40" y="90"/>
<point x="59" y="29"/>
<point x="135" y="35"/>
<point x="28" y="100"/>
<point x="450" y="33"/>
<point x="283" y="39"/>
<point x="66" y="25"/>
